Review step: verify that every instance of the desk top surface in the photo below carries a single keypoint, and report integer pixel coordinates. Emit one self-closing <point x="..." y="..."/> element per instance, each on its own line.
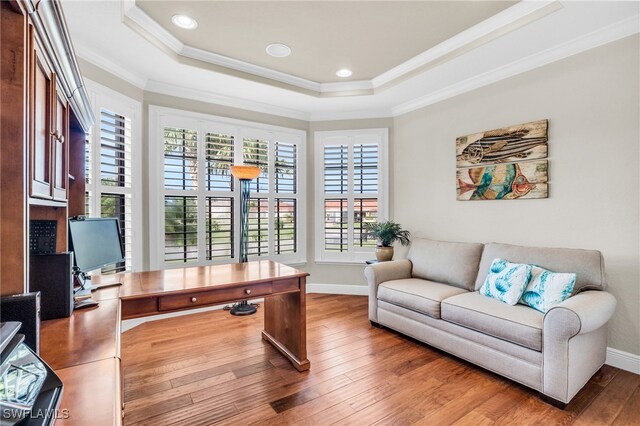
<point x="87" y="335"/>
<point x="182" y="280"/>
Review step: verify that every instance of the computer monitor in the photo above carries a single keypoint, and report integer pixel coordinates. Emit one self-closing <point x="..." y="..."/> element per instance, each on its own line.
<point x="95" y="242"/>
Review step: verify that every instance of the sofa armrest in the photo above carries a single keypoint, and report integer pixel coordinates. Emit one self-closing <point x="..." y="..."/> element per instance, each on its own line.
<point x="574" y="342"/>
<point x="585" y="312"/>
<point x="381" y="272"/>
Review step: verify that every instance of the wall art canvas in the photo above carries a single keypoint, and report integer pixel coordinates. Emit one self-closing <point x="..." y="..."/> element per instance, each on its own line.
<point x="520" y="180"/>
<point x="510" y="144"/>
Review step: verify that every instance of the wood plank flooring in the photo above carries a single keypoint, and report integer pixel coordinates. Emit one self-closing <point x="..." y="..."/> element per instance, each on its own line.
<point x="212" y="368"/>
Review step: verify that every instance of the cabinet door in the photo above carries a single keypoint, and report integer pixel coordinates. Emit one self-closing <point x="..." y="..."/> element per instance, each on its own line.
<point x="60" y="153"/>
<point x="40" y="128"/>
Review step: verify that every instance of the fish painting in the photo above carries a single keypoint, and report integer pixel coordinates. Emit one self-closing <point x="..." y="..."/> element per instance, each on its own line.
<point x="522" y="142"/>
<point x="503" y="181"/>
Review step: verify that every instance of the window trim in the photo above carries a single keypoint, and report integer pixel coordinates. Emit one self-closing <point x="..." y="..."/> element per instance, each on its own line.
<point x="348" y="137"/>
<point x="104" y="97"/>
<point x="160" y="117"/>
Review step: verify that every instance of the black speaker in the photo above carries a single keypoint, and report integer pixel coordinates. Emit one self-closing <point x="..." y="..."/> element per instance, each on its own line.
<point x="50" y="274"/>
<point x="24" y="308"/>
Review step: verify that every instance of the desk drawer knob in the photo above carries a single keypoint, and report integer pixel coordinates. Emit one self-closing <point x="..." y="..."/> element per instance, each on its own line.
<point x="194" y="300"/>
<point x="247" y="291"/>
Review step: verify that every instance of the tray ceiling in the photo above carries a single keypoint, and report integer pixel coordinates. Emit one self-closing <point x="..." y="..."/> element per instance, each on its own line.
<point x="367" y="37"/>
<point x="119" y="37"/>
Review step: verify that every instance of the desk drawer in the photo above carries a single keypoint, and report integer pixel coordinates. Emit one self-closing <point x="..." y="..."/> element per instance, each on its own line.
<point x="222" y="295"/>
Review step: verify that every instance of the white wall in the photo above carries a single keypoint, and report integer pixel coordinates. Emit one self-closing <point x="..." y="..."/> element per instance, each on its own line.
<point x="593" y="106"/>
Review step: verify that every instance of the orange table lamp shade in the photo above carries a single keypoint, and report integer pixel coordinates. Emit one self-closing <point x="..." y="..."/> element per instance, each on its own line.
<point x="245" y="172"/>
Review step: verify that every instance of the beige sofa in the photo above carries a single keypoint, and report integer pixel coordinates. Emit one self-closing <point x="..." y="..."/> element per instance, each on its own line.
<point x="433" y="296"/>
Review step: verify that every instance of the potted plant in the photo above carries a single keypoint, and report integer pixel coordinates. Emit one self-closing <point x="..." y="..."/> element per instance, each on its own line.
<point x="386" y="233"/>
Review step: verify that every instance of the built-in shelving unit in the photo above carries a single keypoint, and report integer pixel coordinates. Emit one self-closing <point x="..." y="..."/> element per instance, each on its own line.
<point x="45" y="119"/>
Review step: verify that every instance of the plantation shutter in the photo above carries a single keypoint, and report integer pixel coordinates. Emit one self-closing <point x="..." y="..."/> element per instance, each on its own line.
<point x="365" y="181"/>
<point x="256" y="152"/>
<point x="110" y="180"/>
<point x="349" y="179"/>
<point x="336" y="170"/>
<point x="219" y="157"/>
<point x="258" y="227"/>
<point x="180" y="200"/>
<point x="286" y="208"/>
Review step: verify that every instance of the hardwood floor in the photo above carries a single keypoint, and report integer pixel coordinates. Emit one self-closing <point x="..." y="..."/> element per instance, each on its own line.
<point x="212" y="368"/>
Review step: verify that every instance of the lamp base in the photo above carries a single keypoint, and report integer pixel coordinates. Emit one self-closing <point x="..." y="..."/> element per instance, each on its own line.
<point x="243" y="308"/>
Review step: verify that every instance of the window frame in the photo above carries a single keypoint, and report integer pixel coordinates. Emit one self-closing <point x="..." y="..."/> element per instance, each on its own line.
<point x="161" y="117"/>
<point x="103" y="97"/>
<point x="380" y="136"/>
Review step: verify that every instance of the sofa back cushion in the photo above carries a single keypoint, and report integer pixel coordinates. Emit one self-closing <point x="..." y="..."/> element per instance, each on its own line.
<point x="455" y="264"/>
<point x="588" y="265"/>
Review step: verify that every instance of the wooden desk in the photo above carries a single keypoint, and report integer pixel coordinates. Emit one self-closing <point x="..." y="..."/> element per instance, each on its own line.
<point x="284" y="290"/>
<point x="84" y="349"/>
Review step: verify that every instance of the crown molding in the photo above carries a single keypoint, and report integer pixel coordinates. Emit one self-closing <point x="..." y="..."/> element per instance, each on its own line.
<point x="215" y="98"/>
<point x="238" y="65"/>
<point x="137" y="15"/>
<point x="90" y="55"/>
<point x="508" y="20"/>
<point x="351" y="115"/>
<point x="608" y="34"/>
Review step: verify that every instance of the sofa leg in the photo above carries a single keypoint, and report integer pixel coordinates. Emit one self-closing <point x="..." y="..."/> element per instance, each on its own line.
<point x="552" y="401"/>
<point x="375" y="324"/>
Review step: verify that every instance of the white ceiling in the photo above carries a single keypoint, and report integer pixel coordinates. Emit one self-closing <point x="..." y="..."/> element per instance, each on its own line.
<point x="522" y="37"/>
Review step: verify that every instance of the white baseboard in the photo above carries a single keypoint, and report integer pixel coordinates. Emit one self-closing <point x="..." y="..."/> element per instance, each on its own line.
<point x="355" y="290"/>
<point x="623" y="360"/>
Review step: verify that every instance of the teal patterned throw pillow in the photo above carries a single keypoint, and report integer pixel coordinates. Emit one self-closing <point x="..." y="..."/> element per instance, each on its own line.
<point x="546" y="289"/>
<point x="506" y="281"/>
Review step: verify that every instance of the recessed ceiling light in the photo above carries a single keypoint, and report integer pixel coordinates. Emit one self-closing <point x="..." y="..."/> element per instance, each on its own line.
<point x="184" y="21"/>
<point x="278" y="50"/>
<point x="344" y="72"/>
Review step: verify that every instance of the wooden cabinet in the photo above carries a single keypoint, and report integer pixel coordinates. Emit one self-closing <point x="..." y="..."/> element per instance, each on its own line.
<point x="45" y="115"/>
<point x="40" y="106"/>
<point x="48" y="131"/>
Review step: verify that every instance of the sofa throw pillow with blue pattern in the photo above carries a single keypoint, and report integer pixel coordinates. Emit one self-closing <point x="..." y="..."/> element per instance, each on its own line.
<point x="506" y="281"/>
<point x="546" y="289"/>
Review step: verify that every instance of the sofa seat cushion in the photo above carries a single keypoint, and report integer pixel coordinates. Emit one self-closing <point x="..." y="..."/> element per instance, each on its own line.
<point x="517" y="324"/>
<point x="419" y="295"/>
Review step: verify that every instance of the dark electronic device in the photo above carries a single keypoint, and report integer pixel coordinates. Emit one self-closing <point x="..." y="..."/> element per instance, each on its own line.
<point x="96" y="242"/>
<point x="31" y="392"/>
<point x="42" y="236"/>
<point x="24" y="308"/>
<point x="51" y="275"/>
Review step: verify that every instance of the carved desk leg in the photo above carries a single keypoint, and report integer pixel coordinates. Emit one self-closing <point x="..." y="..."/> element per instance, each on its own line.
<point x="285" y="325"/>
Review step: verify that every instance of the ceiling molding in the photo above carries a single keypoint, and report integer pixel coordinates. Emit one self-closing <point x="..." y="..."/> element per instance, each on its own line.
<point x="508" y="20"/>
<point x="608" y="34"/>
<point x="217" y="99"/>
<point x="351" y="115"/>
<point x="137" y="15"/>
<point x="90" y="55"/>
<point x="235" y="64"/>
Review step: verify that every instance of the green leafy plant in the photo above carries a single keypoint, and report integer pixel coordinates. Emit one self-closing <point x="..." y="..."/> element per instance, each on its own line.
<point x="387" y="233"/>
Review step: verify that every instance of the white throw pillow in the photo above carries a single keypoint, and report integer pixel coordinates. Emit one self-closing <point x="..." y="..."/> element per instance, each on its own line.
<point x="506" y="281"/>
<point x="546" y="289"/>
